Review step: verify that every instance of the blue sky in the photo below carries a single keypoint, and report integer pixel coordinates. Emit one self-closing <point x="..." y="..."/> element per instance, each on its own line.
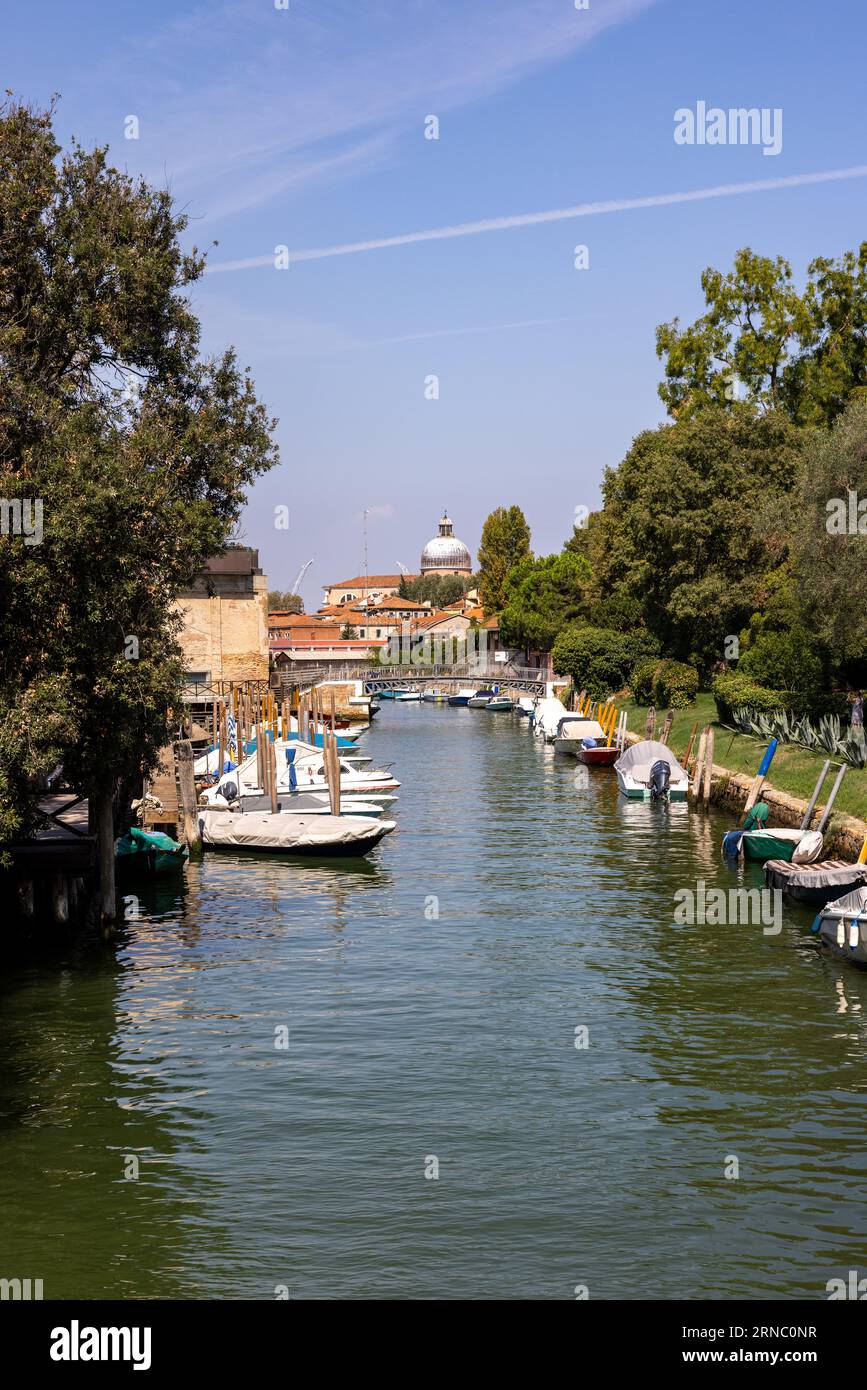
<point x="305" y="127"/>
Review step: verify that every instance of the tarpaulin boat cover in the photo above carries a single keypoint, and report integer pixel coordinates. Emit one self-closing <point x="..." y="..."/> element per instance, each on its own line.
<point x="637" y="761"/>
<point x="853" y="905"/>
<point x="828" y="873"/>
<point x="573" y="726"/>
<point x="289" y="833"/>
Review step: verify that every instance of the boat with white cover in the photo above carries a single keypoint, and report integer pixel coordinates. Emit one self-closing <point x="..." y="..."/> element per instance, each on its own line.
<point x="270" y="833"/>
<point x="572" y="730"/>
<point x="842" y="925"/>
<point x="641" y="778"/>
<point x="547" y="716"/>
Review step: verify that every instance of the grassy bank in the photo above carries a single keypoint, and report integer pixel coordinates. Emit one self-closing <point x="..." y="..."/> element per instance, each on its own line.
<point x="794" y="770"/>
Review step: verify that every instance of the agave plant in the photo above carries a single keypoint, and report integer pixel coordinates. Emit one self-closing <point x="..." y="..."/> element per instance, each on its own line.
<point x="854" y="748"/>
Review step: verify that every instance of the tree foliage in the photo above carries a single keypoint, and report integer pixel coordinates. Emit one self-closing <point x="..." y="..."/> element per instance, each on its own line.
<point x="284" y="601"/>
<point x="764" y="343"/>
<point x="542" y="596"/>
<point x="138" y="450"/>
<point x="505" y="543"/>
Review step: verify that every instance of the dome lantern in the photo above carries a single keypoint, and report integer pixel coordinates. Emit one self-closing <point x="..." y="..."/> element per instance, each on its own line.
<point x="445" y="554"/>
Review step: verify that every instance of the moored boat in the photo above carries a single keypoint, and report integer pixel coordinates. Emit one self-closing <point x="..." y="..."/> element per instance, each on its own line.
<point x="572" y="730"/>
<point x="500" y="704"/>
<point x="602" y="755"/>
<point x="462" y="698"/>
<point x="149" y="852"/>
<point x="481" y="699"/>
<point x="269" y="833"/>
<point x="816" y="884"/>
<point x="842" y="926"/>
<point x="788" y="844"/>
<point x="649" y="771"/>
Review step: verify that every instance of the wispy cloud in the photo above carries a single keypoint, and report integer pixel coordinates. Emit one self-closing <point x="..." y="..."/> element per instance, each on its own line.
<point x="323" y="91"/>
<point x="532" y="219"/>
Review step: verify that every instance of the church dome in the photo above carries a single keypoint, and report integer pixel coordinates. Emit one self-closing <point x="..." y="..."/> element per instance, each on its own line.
<point x="445" y="552"/>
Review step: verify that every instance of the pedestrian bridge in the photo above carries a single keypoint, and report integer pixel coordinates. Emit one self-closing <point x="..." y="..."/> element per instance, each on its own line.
<point x="411" y="678"/>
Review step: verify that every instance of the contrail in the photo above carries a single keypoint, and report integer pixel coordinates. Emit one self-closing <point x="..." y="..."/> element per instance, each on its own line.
<point x="532" y="219"/>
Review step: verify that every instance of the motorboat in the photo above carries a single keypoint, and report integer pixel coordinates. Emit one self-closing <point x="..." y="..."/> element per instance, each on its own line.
<point x="304" y="803"/>
<point x="463" y="697"/>
<point x="435" y="697"/>
<point x="572" y="730"/>
<point x="500" y="704"/>
<point x="278" y="833"/>
<point x="406" y="695"/>
<point x="842" y="925"/>
<point x="649" y="771"/>
<point x="790" y="845"/>
<point x="815" y="884"/>
<point x="525" y="706"/>
<point x="480" y="699"/>
<point x="149" y="852"/>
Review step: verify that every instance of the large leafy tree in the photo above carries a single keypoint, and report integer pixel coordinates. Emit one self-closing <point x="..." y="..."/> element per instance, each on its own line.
<point x="505" y="543"/>
<point x="678" y="531"/>
<point x="763" y="342"/>
<point x="137" y="450"/>
<point x="543" y="596"/>
<point x="828" y="520"/>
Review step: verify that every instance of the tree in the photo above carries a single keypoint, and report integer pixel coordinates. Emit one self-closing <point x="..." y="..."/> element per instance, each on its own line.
<point x="765" y="346"/>
<point x="284" y="601"/>
<point x="505" y="543"/>
<point x="348" y="633"/>
<point x="541" y="597"/>
<point x="136" y="452"/>
<point x="438" y="589"/>
<point x="679" y="533"/>
<point x="828" y="520"/>
<point x="599" y="660"/>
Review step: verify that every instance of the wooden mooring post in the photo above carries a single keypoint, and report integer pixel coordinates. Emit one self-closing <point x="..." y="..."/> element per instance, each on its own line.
<point x="188" y="817"/>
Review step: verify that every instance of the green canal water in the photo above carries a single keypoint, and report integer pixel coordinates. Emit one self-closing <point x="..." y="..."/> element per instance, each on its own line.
<point x="411" y="1037"/>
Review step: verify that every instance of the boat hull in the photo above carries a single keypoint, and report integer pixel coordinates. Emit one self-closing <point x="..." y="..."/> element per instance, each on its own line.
<point x="599" y="757"/>
<point x="290" y="835"/>
<point x="500" y="706"/>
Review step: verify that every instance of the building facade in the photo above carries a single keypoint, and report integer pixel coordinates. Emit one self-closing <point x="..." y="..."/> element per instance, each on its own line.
<point x="225" y="620"/>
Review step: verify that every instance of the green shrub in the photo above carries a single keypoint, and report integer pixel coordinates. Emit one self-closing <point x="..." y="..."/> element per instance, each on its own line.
<point x="675" y="684"/>
<point x="641" y="681"/>
<point x="788" y="662"/>
<point x="597" y="658"/>
<point x="734" y="691"/>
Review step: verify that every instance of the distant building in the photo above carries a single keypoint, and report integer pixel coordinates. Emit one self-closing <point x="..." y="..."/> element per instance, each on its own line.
<point x="375" y="586"/>
<point x="445" y="554"/>
<point x="225" y="620"/>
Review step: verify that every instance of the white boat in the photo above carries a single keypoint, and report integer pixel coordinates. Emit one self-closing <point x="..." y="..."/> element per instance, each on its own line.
<point x="406" y="695"/>
<point x="317" y="836"/>
<point x="228" y="794"/>
<point x="547" y="716"/>
<point x="310" y="773"/>
<point x="572" y="730"/>
<point x="640" y="777"/>
<point x="842" y="925"/>
<point x="435" y="697"/>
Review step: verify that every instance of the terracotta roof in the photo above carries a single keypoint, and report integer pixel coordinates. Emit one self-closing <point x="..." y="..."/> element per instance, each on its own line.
<point x="391" y="601"/>
<point x="371" y="580"/>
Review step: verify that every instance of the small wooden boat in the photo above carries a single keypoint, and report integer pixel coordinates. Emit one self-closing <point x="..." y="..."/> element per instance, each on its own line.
<point x="601" y="755"/>
<point x="842" y="926"/>
<point x="149" y="852"/>
<point x="649" y="771"/>
<point x="815" y="884"/>
<point x="313" y="836"/>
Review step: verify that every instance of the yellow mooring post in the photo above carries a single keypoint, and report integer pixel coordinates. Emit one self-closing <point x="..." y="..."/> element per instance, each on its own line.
<point x="862" y="857"/>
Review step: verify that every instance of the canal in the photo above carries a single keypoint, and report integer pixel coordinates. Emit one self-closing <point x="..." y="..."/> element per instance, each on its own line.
<point x="287" y="1054"/>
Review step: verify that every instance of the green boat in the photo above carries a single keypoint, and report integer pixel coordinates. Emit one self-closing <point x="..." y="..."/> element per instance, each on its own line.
<point x="499" y="705"/>
<point x="149" y="852"/>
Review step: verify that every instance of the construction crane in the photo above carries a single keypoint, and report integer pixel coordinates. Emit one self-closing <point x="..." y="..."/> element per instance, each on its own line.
<point x="296" y="587"/>
<point x="403" y="569"/>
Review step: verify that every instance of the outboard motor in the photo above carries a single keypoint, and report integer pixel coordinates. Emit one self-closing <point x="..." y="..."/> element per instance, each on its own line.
<point x="660" y="776"/>
<point x="229" y="792"/>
